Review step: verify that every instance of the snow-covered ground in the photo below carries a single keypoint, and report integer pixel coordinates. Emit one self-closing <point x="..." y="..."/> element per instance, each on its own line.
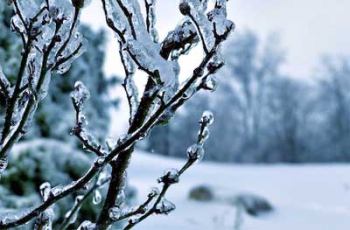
<point x="305" y="197"/>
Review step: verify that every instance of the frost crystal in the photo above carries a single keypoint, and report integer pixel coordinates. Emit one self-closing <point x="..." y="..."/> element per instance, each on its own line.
<point x="164" y="207"/>
<point x="195" y="152"/>
<point x="171" y="176"/>
<point x="207" y="118"/>
<point x="114" y="213"/>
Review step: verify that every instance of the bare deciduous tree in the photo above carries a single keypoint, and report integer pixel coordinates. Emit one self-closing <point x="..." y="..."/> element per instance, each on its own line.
<point x="51" y="41"/>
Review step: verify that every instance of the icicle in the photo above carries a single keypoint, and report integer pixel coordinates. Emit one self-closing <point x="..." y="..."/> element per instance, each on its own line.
<point x="97" y="197"/>
<point x="76" y="207"/>
<point x="210" y="83"/>
<point x="164" y="207"/>
<point x="121" y="198"/>
<point x="102" y="177"/>
<point x="45" y="189"/>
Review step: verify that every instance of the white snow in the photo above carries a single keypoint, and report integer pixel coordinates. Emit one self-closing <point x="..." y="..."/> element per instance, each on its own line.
<point x="305" y="197"/>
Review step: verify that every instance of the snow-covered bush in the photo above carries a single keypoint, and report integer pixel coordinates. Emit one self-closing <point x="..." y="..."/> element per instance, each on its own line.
<point x="51" y="42"/>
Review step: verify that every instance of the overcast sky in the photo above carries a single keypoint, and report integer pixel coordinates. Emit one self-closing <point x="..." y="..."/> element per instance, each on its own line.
<point x="307" y="29"/>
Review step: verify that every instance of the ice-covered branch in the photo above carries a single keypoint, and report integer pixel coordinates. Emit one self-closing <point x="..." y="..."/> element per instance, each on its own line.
<point x="45" y="219"/>
<point x="151" y="19"/>
<point x="71" y="215"/>
<point x="46" y="30"/>
<point x="172" y="176"/>
<point x="129" y="84"/>
<point x="90" y="142"/>
<point x="5" y="85"/>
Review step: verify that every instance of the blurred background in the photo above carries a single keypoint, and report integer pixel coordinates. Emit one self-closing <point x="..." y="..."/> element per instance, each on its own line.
<point x="278" y="152"/>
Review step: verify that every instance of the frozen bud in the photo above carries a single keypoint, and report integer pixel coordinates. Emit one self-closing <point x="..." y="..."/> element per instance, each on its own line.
<point x="210" y="83"/>
<point x="203" y="135"/>
<point x="114" y="213"/>
<point x="97" y="197"/>
<point x="82" y="90"/>
<point x="171" y="176"/>
<point x="45" y="189"/>
<point x="153" y="192"/>
<point x="87" y="225"/>
<point x="195" y="152"/>
<point x="185" y="8"/>
<point x="164" y="207"/>
<point x="207" y="118"/>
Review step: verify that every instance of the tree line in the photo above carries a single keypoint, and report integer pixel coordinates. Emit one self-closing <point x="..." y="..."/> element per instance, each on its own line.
<point x="263" y="115"/>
